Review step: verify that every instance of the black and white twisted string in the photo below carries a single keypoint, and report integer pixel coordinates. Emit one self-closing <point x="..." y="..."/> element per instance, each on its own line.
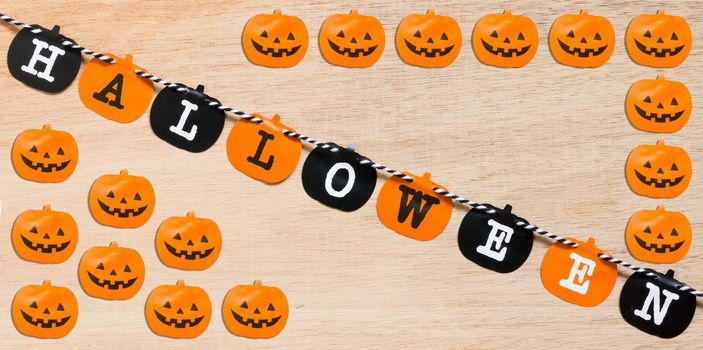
<point x="651" y="273"/>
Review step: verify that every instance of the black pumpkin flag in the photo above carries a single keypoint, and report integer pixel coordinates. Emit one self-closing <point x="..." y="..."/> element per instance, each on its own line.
<point x="656" y="305"/>
<point x="41" y="61"/>
<point x="185" y="120"/>
<point x="337" y="179"/>
<point x="494" y="241"/>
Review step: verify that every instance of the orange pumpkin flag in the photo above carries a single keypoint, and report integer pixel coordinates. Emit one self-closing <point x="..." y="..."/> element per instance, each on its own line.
<point x="113" y="90"/>
<point x="111" y="272"/>
<point x="275" y="40"/>
<point x="658" y="105"/>
<point x="188" y="243"/>
<point x="44" y="311"/>
<point x="45" y="155"/>
<point x="582" y="40"/>
<point x="121" y="200"/>
<point x="413" y="209"/>
<point x="45" y="236"/>
<point x="658" y="171"/>
<point x="658" y="236"/>
<point x="255" y="311"/>
<point x="178" y="311"/>
<point x="578" y="275"/>
<point x="262" y="151"/>
<point x="352" y="40"/>
<point x="428" y="40"/>
<point x="505" y="40"/>
<point x="658" y="40"/>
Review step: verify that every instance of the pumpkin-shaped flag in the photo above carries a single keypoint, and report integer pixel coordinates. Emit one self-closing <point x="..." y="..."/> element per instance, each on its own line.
<point x="45" y="155"/>
<point x="495" y="241"/>
<point x="658" y="40"/>
<point x="658" y="105"/>
<point x="275" y="40"/>
<point x="262" y="151"/>
<point x="656" y="305"/>
<point x="352" y="40"/>
<point x="582" y="40"/>
<point x="428" y="40"/>
<point x="658" y="236"/>
<point x="41" y="61"/>
<point x="658" y="171"/>
<point x="505" y="40"/>
<point x="113" y="90"/>
<point x="178" y="311"/>
<point x="185" y="119"/>
<point x="44" y="311"/>
<point x="121" y="200"/>
<point x="338" y="179"/>
<point x="45" y="236"/>
<point x="188" y="242"/>
<point x="111" y="272"/>
<point x="578" y="275"/>
<point x="255" y="311"/>
<point x="413" y="209"/>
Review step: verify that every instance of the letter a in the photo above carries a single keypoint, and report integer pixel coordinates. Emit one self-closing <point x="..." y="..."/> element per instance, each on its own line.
<point x="178" y="129"/>
<point x="115" y="88"/>
<point x="414" y="205"/>
<point x="256" y="159"/>
<point x="658" y="310"/>
<point x="48" y="61"/>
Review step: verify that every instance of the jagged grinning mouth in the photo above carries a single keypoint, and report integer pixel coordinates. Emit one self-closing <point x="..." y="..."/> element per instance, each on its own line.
<point x="275" y="52"/>
<point x="661" y="52"/>
<point x="178" y="323"/>
<point x="656" y="248"/>
<point x="658" y="183"/>
<point x="199" y="254"/>
<point x="44" y="323"/>
<point x="111" y="284"/>
<point x="505" y="52"/>
<point x="427" y="52"/>
<point x="352" y="52"/>
<point x="249" y="322"/>
<point x="123" y="213"/>
<point x="577" y="51"/>
<point x="44" y="168"/>
<point x="656" y="117"/>
<point x="44" y="248"/>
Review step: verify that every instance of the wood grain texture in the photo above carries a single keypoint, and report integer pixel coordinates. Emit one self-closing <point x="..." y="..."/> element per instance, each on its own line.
<point x="549" y="139"/>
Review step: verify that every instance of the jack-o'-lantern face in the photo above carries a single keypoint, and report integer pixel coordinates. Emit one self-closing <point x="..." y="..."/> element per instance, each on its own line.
<point x="178" y="311"/>
<point x="45" y="236"/>
<point x="44" y="311"/>
<point x="275" y="40"/>
<point x="428" y="40"/>
<point x="658" y="105"/>
<point x="111" y="272"/>
<point x="255" y="311"/>
<point x="658" y="40"/>
<point x="122" y="200"/>
<point x="658" y="236"/>
<point x="188" y="243"/>
<point x="505" y="40"/>
<point x="44" y="155"/>
<point x="352" y="40"/>
<point x="582" y="40"/>
<point x="658" y="171"/>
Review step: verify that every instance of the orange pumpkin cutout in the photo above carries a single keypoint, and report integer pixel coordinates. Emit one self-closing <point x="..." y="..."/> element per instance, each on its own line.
<point x="582" y="40"/>
<point x="658" y="171"/>
<point x="658" y="105"/>
<point x="178" y="311"/>
<point x="45" y="236"/>
<point x="188" y="243"/>
<point x="275" y="40"/>
<point x="658" y="236"/>
<point x="255" y="311"/>
<point x="111" y="272"/>
<point x="578" y="275"/>
<point x="352" y="40"/>
<point x="428" y="40"/>
<point x="505" y="40"/>
<point x="658" y="40"/>
<point x="121" y="200"/>
<point x="262" y="151"/>
<point x="413" y="209"/>
<point x="113" y="90"/>
<point x="44" y="155"/>
<point x="44" y="311"/>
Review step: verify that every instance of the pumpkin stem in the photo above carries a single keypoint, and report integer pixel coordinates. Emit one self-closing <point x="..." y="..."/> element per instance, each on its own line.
<point x="181" y="283"/>
<point x="508" y="12"/>
<point x="590" y="241"/>
<point x="584" y="12"/>
<point x="46" y="206"/>
<point x="190" y="214"/>
<point x="660" y="207"/>
<point x="257" y="282"/>
<point x="354" y="12"/>
<point x="47" y="126"/>
<point x="200" y="88"/>
<point x="46" y="283"/>
<point x="276" y="118"/>
<point x="113" y="244"/>
<point x="430" y="12"/>
<point x="128" y="58"/>
<point x="660" y="12"/>
<point x="426" y="176"/>
<point x="661" y="143"/>
<point x="124" y="172"/>
<point x="277" y="12"/>
<point x="669" y="273"/>
<point x="508" y="208"/>
<point x="661" y="77"/>
<point x="55" y="29"/>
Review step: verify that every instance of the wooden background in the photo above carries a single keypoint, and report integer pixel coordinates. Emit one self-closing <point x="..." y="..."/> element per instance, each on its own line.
<point x="551" y="140"/>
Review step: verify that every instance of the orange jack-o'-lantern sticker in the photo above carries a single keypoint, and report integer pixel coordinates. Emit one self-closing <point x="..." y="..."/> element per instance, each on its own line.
<point x="111" y="272"/>
<point x="121" y="200"/>
<point x="178" y="311"/>
<point x="658" y="171"/>
<point x="113" y="91"/>
<point x="505" y="40"/>
<point x="352" y="40"/>
<point x="658" y="105"/>
<point x="658" y="40"/>
<point x="44" y="311"/>
<point x="255" y="311"/>
<point x="261" y="150"/>
<point x="275" y="40"/>
<point x="578" y="275"/>
<point x="582" y="39"/>
<point x="45" y="236"/>
<point x="413" y="209"/>
<point x="658" y="236"/>
<point x="428" y="40"/>
<point x="45" y="155"/>
<point x="188" y="242"/>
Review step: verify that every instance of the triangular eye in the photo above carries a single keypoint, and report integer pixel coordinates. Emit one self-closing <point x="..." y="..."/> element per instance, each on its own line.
<point x="647" y="164"/>
<point x="340" y="34"/>
<point x="417" y="34"/>
<point x="127" y="269"/>
<point x="137" y="197"/>
<point x="647" y="34"/>
<point x="204" y="239"/>
<point x="33" y="305"/>
<point x="110" y="195"/>
<point x="244" y="305"/>
<point x="33" y="149"/>
<point x="674" y="36"/>
<point x="674" y="102"/>
<point x="674" y="167"/>
<point x="520" y="36"/>
<point x="100" y="266"/>
<point x="60" y="308"/>
<point x="367" y="36"/>
<point x="571" y="34"/>
<point x="494" y="34"/>
<point x="193" y="307"/>
<point x="60" y="233"/>
<point x="648" y="99"/>
<point x="167" y="305"/>
<point x="264" y="34"/>
<point x="177" y="236"/>
<point x="597" y="37"/>
<point x="647" y="230"/>
<point x="33" y="229"/>
<point x="271" y="308"/>
<point x="290" y="36"/>
<point x="444" y="36"/>
<point x="674" y="233"/>
<point x="60" y="152"/>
